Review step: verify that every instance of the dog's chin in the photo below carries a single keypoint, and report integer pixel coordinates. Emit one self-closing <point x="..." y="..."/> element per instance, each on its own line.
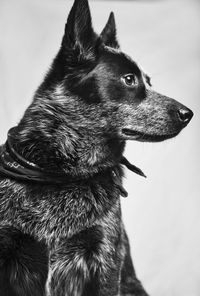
<point x="128" y="134"/>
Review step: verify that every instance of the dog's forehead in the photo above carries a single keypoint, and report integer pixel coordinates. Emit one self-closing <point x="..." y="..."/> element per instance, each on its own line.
<point x="115" y="60"/>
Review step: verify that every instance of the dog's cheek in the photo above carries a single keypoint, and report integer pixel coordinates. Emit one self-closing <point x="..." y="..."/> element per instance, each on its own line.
<point x="123" y="115"/>
<point x="115" y="92"/>
<point x="89" y="92"/>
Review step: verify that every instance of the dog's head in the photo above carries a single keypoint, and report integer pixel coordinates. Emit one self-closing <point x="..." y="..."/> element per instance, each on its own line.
<point x="94" y="69"/>
<point x="99" y="92"/>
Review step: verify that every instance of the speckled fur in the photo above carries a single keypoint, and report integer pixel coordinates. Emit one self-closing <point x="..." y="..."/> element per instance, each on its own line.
<point x="69" y="239"/>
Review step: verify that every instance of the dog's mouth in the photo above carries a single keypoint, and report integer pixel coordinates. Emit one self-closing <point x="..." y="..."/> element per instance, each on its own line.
<point x="130" y="134"/>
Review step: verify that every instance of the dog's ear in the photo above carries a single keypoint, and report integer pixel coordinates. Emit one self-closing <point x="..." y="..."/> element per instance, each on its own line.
<point x="108" y="35"/>
<point x="79" y="37"/>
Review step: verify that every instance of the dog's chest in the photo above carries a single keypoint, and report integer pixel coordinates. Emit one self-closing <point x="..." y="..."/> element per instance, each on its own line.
<point x="52" y="212"/>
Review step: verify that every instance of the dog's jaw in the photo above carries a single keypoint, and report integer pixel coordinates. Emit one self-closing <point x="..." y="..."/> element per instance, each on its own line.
<point x="130" y="134"/>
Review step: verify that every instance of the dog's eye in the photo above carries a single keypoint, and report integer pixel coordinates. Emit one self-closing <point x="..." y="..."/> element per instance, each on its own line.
<point x="129" y="80"/>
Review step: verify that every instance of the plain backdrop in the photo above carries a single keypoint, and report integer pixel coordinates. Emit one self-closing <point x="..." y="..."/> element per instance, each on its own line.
<point x="162" y="212"/>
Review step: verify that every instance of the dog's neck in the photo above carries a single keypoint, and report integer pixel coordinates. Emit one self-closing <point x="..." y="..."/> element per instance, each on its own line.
<point x="15" y="166"/>
<point x="64" y="153"/>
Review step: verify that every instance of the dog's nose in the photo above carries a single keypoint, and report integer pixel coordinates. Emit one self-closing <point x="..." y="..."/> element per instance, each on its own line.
<point x="185" y="115"/>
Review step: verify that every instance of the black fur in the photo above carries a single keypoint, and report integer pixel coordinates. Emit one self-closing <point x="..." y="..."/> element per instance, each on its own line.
<point x="23" y="264"/>
<point x="77" y="125"/>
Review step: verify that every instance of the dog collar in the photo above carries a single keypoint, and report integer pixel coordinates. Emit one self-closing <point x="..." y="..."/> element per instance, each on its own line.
<point x="15" y="166"/>
<point x="132" y="167"/>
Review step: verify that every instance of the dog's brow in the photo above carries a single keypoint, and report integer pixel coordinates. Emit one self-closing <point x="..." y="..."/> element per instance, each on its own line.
<point x="148" y="79"/>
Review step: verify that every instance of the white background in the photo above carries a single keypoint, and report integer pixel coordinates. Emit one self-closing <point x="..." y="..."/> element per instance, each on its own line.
<point x="162" y="212"/>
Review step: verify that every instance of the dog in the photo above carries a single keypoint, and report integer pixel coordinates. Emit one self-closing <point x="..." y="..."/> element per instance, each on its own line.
<point x="61" y="168"/>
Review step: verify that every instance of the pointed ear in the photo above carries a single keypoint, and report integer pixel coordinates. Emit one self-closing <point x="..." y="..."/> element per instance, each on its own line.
<point x="108" y="34"/>
<point x="79" y="35"/>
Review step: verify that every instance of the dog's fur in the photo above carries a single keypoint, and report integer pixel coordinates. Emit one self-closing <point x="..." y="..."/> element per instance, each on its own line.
<point x="69" y="239"/>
